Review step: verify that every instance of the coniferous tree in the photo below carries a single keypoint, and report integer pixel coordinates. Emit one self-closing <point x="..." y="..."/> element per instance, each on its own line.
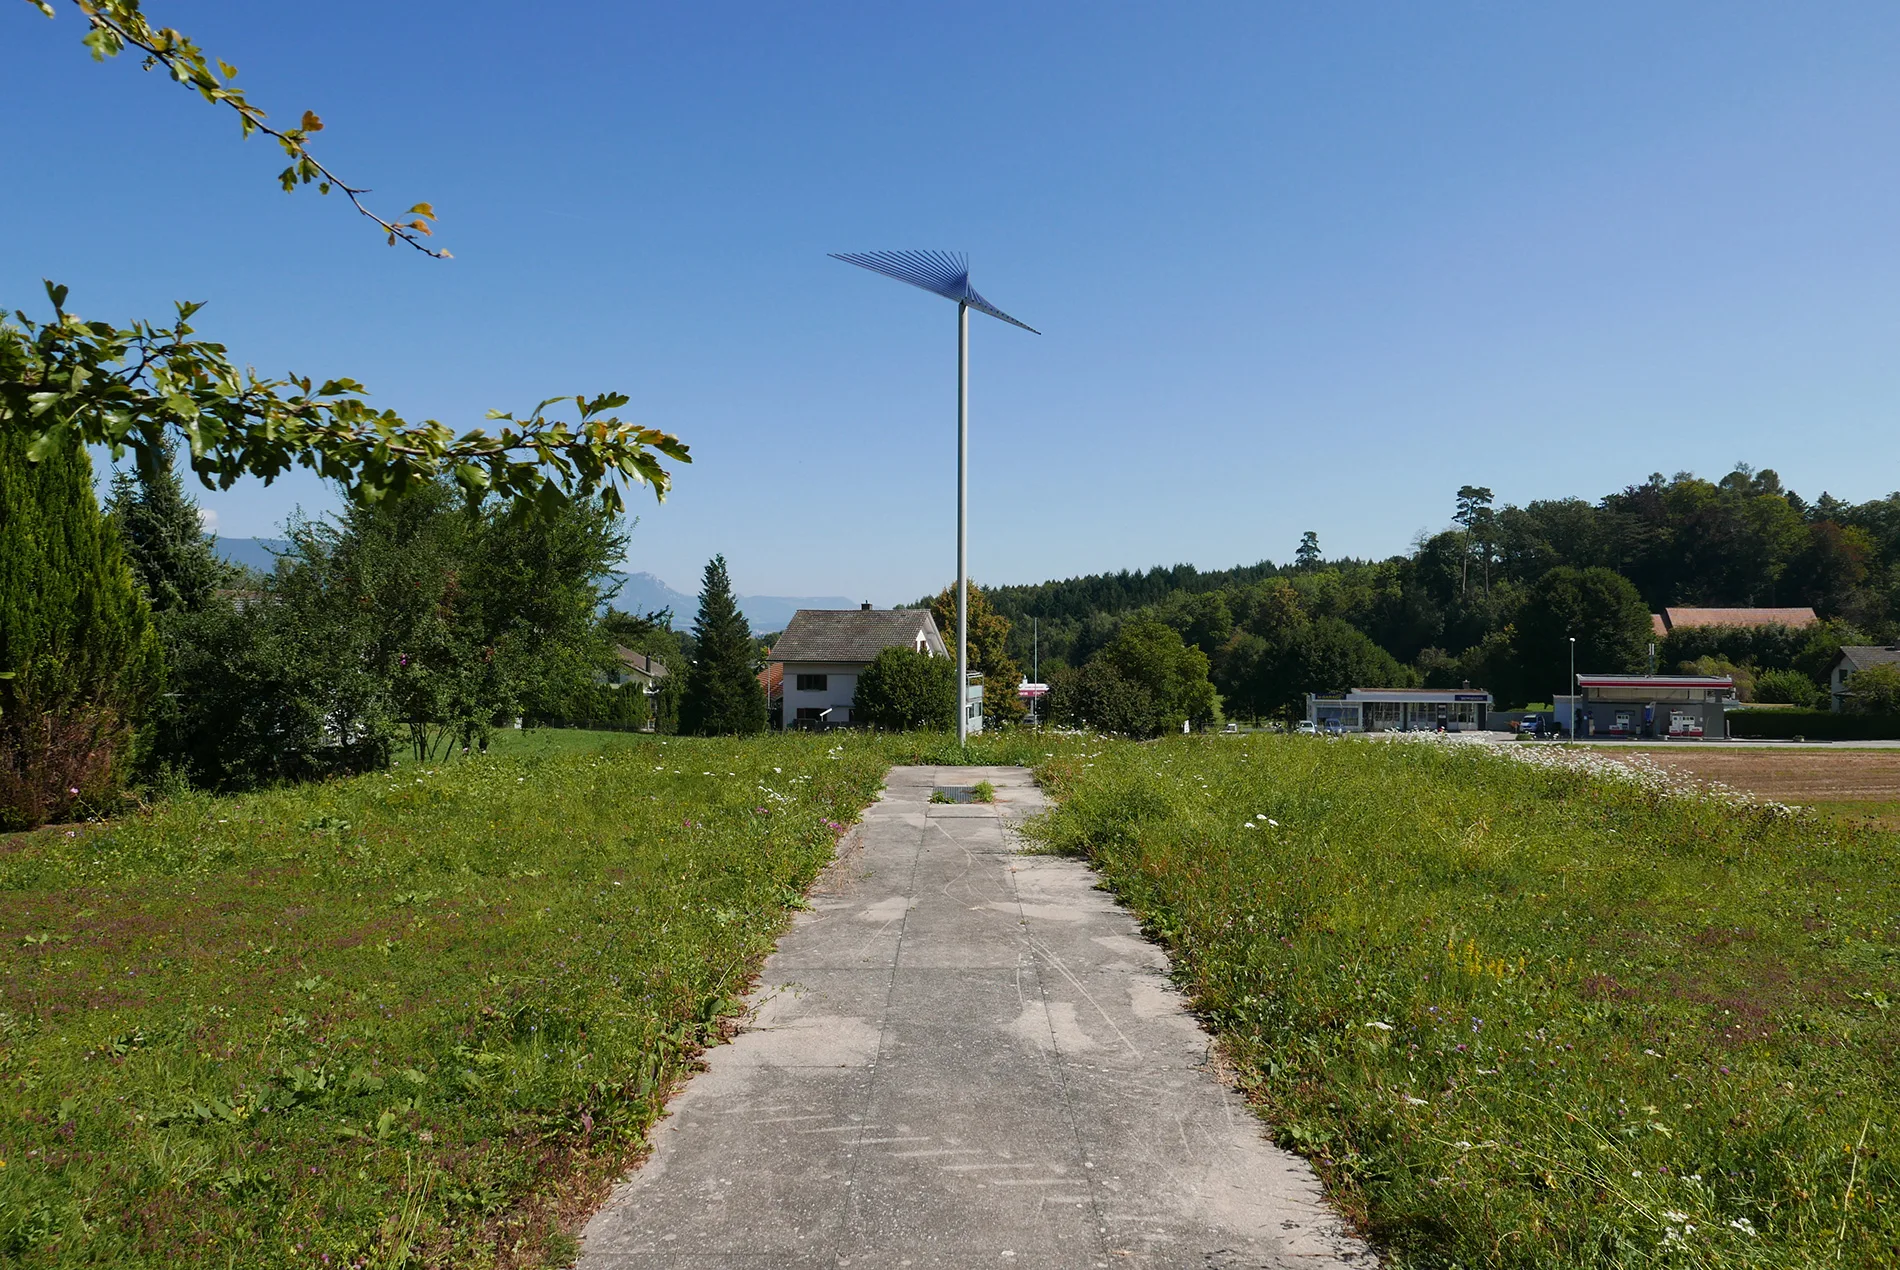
<point x="76" y="639"/>
<point x="165" y="542"/>
<point x="723" y="694"/>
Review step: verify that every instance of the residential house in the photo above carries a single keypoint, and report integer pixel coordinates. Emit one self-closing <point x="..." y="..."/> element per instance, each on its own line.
<point x="823" y="651"/>
<point x="1851" y="658"/>
<point x="637" y="668"/>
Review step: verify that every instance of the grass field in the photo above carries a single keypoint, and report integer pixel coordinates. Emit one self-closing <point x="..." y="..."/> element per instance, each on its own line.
<point x="418" y="1017"/>
<point x="1527" y="1017"/>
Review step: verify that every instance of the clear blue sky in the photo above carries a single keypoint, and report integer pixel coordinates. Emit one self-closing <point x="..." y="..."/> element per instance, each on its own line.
<point x="1299" y="266"/>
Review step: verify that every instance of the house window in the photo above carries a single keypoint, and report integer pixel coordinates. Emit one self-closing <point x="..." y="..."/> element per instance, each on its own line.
<point x="809" y="713"/>
<point x="810" y="683"/>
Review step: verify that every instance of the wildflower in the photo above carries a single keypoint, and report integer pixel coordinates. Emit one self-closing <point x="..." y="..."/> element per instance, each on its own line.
<point x="74" y="789"/>
<point x="1245" y="824"/>
<point x="1744" y="1225"/>
<point x="1274" y="823"/>
<point x="1410" y="1101"/>
<point x="1383" y="1027"/>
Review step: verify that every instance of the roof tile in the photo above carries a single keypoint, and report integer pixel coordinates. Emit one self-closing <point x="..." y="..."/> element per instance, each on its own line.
<point x="854" y="635"/>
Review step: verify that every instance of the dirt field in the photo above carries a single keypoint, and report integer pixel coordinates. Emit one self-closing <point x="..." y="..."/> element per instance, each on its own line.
<point x="1856" y="782"/>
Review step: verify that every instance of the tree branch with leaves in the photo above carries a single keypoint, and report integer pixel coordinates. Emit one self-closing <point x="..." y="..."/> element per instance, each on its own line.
<point x="71" y="382"/>
<point x="115" y="25"/>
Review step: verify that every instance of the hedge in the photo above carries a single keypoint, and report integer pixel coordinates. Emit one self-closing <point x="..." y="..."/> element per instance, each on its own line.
<point x="1815" y="725"/>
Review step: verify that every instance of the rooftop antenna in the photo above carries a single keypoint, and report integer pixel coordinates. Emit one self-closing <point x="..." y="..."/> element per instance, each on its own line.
<point x="947" y="274"/>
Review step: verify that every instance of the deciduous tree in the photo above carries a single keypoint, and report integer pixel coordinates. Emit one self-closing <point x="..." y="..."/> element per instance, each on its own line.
<point x="989" y="652"/>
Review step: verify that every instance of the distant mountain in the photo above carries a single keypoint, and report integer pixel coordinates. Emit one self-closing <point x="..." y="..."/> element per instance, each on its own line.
<point x="639" y="592"/>
<point x="774" y="612"/>
<point x="644" y="593"/>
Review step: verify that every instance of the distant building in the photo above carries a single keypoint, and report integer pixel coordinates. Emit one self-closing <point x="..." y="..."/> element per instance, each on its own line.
<point x="1685" y="618"/>
<point x="823" y="651"/>
<point x="1682" y="706"/>
<point x="1401" y="709"/>
<point x="772" y="679"/>
<point x="1851" y="658"/>
<point x="638" y="671"/>
<point x="637" y="668"/>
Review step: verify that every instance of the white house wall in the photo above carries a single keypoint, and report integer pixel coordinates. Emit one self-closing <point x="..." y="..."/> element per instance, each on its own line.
<point x="841" y="685"/>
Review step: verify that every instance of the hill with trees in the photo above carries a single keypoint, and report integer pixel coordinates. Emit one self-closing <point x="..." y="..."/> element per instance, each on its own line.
<point x="1494" y="597"/>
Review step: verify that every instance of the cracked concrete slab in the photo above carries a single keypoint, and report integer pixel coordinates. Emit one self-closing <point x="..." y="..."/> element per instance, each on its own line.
<point x="964" y="1056"/>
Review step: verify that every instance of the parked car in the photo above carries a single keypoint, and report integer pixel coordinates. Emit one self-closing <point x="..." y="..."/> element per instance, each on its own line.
<point x="1305" y="727"/>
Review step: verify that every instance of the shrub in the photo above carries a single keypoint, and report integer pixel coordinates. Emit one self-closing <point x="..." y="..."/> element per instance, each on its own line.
<point x="903" y="688"/>
<point x="1818" y="725"/>
<point x="1875" y="690"/>
<point x="1788" y="687"/>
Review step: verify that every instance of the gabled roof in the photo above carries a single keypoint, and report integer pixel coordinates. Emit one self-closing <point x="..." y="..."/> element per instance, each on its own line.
<point x="1794" y="617"/>
<point x="1861" y="656"/>
<point x="640" y="663"/>
<point x="854" y="635"/>
<point x="772" y="679"/>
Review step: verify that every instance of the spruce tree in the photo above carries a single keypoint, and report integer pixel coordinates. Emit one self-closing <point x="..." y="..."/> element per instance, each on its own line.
<point x="76" y="638"/>
<point x="165" y="542"/>
<point x="723" y="695"/>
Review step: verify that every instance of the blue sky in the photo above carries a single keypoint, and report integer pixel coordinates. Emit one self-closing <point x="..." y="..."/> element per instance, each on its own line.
<point x="1298" y="266"/>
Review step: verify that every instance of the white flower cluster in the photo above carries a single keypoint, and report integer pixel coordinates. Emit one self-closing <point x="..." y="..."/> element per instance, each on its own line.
<point x="1633" y="767"/>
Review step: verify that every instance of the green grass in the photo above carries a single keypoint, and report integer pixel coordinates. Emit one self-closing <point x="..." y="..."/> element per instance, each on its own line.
<point x="422" y="1017"/>
<point x="1521" y="1017"/>
<point x="432" y="1010"/>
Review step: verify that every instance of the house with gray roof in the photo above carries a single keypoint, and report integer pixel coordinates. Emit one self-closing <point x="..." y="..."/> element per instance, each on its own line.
<point x="1851" y="658"/>
<point x="824" y="650"/>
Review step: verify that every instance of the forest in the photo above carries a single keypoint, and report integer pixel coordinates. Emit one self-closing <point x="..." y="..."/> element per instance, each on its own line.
<point x="1494" y="597"/>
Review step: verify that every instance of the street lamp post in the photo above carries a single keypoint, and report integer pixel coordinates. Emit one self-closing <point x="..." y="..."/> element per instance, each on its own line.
<point x="948" y="274"/>
<point x="1574" y="694"/>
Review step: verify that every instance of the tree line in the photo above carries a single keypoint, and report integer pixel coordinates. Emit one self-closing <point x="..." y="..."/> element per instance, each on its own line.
<point x="1494" y="598"/>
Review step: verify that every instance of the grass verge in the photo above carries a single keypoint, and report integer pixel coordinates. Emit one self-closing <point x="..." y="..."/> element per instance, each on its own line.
<point x="1526" y="1017"/>
<point x="419" y="1017"/>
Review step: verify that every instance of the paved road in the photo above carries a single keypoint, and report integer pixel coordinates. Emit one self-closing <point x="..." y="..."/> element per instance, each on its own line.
<point x="964" y="1056"/>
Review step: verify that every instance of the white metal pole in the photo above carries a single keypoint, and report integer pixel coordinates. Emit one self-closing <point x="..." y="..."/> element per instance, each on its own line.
<point x="963" y="516"/>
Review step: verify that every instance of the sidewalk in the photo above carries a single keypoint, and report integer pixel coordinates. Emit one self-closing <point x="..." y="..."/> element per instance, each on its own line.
<point x="964" y="1057"/>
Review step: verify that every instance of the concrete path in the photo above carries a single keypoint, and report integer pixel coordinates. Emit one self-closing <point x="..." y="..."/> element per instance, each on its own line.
<point x="964" y="1056"/>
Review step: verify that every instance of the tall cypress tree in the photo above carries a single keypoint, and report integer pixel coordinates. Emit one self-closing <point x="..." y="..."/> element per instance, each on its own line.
<point x="723" y="695"/>
<point x="76" y="637"/>
<point x="165" y="542"/>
